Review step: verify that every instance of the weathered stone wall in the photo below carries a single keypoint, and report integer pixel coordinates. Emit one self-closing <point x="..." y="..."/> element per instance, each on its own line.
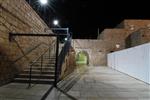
<point x="69" y="64"/>
<point x="133" y="26"/>
<point x="126" y="28"/>
<point x="114" y="37"/>
<point x="18" y="16"/>
<point x="138" y="37"/>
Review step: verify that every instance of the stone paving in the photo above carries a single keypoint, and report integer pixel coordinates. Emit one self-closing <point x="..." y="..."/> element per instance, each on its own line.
<point x="96" y="83"/>
<point x="103" y="83"/>
<point x="17" y="91"/>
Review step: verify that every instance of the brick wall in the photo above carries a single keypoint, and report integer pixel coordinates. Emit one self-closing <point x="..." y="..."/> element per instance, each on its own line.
<point x="134" y="25"/>
<point x="114" y="37"/>
<point x="126" y="28"/>
<point x="18" y="16"/>
<point x="69" y="64"/>
<point x="137" y="26"/>
<point x="138" y="37"/>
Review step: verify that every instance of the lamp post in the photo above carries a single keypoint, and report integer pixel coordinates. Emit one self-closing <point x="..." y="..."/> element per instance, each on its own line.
<point x="58" y="28"/>
<point x="59" y="46"/>
<point x="56" y="23"/>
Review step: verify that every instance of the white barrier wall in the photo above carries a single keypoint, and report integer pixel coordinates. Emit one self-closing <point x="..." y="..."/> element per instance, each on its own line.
<point x="133" y="61"/>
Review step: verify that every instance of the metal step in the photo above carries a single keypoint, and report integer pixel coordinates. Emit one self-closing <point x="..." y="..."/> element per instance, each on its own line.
<point x="45" y="77"/>
<point x="39" y="68"/>
<point x="38" y="64"/>
<point x="37" y="81"/>
<point x="46" y="57"/>
<point x="36" y="76"/>
<point x="35" y="71"/>
<point x="44" y="61"/>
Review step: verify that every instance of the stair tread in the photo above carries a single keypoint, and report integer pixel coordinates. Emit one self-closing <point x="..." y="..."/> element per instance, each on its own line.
<point x="45" y="64"/>
<point x="38" y="70"/>
<point x="48" y="72"/>
<point x="40" y="67"/>
<point x="39" y="74"/>
<point x="26" y="79"/>
<point x="44" y="61"/>
<point x="34" y="70"/>
<point x="49" y="58"/>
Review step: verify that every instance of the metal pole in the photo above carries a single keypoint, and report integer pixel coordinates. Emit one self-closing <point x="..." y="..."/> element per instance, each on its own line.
<point x="41" y="63"/>
<point x="56" y="63"/>
<point x="67" y="31"/>
<point x="30" y="77"/>
<point x="49" y="53"/>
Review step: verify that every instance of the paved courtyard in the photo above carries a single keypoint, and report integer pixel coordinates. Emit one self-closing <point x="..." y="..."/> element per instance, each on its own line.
<point x="103" y="83"/>
<point x="87" y="83"/>
<point x="17" y="91"/>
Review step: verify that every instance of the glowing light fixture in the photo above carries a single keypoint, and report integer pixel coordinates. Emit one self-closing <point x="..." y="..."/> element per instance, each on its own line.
<point x="55" y="22"/>
<point x="66" y="39"/>
<point x="117" y="45"/>
<point x="43" y="2"/>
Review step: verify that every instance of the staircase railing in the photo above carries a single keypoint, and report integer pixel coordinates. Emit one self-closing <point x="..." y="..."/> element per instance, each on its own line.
<point x="41" y="64"/>
<point x="61" y="58"/>
<point x="29" y="51"/>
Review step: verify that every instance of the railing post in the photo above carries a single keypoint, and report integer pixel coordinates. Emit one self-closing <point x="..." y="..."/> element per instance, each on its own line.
<point x="30" y="76"/>
<point x="56" y="62"/>
<point x="49" y="53"/>
<point x="55" y="47"/>
<point x="41" y="63"/>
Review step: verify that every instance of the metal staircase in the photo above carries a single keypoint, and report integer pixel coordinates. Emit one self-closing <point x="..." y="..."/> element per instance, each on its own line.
<point x="40" y="71"/>
<point x="46" y="69"/>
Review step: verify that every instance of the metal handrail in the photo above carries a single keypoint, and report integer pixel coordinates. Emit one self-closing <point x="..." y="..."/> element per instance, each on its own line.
<point x="41" y="56"/>
<point x="61" y="57"/>
<point x="42" y="43"/>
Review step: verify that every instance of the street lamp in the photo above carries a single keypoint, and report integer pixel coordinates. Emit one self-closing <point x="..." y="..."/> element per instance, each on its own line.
<point x="56" y="22"/>
<point x="43" y="2"/>
<point x="58" y="28"/>
<point x="66" y="39"/>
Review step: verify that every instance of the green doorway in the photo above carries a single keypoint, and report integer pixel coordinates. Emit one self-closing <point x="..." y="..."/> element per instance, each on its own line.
<point x="82" y="58"/>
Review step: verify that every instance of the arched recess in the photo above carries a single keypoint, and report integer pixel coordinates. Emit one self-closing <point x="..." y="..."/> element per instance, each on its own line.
<point x="84" y="53"/>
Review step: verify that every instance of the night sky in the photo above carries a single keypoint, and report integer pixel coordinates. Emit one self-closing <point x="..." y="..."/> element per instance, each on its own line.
<point x="84" y="17"/>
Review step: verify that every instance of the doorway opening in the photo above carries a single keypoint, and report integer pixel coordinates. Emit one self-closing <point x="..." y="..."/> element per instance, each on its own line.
<point x="82" y="58"/>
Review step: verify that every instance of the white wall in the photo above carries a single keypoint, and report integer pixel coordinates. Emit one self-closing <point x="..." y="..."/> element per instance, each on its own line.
<point x="133" y="61"/>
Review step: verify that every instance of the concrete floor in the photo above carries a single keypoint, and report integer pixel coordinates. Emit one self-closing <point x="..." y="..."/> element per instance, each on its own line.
<point x="97" y="83"/>
<point x="17" y="91"/>
<point x="103" y="83"/>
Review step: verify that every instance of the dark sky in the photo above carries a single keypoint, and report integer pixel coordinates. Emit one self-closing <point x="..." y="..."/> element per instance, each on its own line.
<point x="84" y="17"/>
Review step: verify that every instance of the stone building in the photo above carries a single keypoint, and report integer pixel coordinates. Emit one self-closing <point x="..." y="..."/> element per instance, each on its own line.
<point x="128" y="33"/>
<point x="114" y="37"/>
<point x="137" y="31"/>
<point x="122" y="31"/>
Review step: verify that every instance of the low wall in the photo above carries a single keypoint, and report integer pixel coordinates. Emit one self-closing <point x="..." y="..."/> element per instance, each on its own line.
<point x="133" y="61"/>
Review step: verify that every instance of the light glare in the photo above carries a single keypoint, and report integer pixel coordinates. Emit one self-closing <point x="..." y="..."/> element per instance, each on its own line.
<point x="66" y="39"/>
<point x="56" y="22"/>
<point x="43" y="2"/>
